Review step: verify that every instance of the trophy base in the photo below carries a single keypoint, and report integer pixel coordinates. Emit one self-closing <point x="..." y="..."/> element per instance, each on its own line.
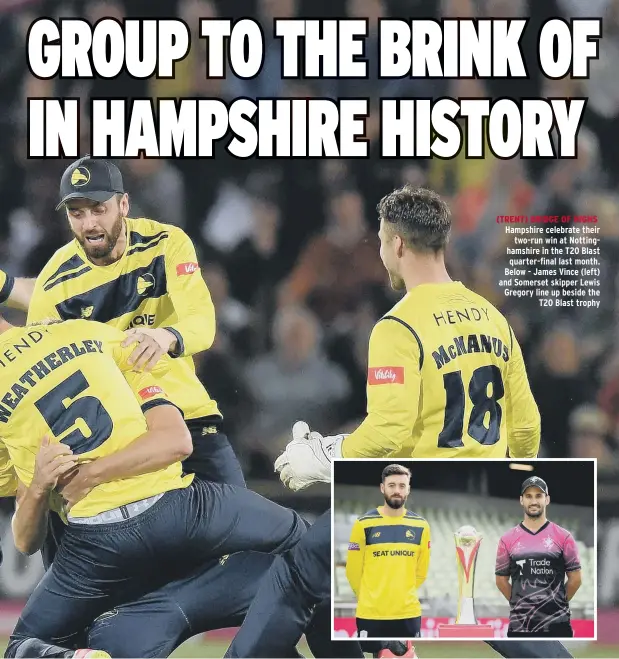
<point x="466" y="631"/>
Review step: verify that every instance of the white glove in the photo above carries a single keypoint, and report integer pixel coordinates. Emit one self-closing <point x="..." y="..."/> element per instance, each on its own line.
<point x="307" y="458"/>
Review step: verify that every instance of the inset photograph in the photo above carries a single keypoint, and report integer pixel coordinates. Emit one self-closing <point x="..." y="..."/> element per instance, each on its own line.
<point x="464" y="549"/>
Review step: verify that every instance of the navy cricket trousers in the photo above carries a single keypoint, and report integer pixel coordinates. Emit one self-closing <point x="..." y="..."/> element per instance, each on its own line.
<point x="213" y="459"/>
<point x="284" y="605"/>
<point x="98" y="567"/>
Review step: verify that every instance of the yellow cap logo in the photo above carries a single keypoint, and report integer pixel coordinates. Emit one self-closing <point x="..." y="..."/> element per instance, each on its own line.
<point x="80" y="177"/>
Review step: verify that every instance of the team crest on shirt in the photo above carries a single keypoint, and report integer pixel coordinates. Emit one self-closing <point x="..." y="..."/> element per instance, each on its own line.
<point x="145" y="282"/>
<point x="86" y="312"/>
<point x="410" y="534"/>
<point x="548" y="542"/>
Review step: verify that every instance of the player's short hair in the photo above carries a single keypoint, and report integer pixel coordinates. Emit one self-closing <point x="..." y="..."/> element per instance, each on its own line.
<point x="394" y="470"/>
<point x="419" y="216"/>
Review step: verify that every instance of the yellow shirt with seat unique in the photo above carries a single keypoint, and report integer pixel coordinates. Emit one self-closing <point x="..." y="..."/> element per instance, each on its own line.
<point x="156" y="283"/>
<point x="388" y="560"/>
<point x="72" y="382"/>
<point x="446" y="379"/>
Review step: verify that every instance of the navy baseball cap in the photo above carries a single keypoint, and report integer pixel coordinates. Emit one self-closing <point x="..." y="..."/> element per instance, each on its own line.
<point x="534" y="481"/>
<point x="89" y="178"/>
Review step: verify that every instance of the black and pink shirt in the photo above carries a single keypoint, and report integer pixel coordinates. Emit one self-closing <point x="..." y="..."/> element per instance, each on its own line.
<point x="537" y="563"/>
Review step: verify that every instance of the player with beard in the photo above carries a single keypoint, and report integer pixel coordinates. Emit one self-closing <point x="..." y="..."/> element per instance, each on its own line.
<point x="137" y="275"/>
<point x="388" y="560"/>
<point x="541" y="560"/>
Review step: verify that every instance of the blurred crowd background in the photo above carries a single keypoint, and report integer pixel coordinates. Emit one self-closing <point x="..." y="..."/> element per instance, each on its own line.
<point x="289" y="248"/>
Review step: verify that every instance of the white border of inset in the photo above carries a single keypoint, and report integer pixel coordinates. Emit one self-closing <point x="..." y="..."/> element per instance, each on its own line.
<point x="483" y="460"/>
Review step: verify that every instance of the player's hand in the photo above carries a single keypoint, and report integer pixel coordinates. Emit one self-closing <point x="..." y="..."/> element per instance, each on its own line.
<point x="80" y="483"/>
<point x="52" y="462"/>
<point x="152" y="344"/>
<point x="307" y="458"/>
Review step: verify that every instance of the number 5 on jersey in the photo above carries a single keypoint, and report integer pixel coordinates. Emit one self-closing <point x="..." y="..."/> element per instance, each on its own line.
<point x="61" y="412"/>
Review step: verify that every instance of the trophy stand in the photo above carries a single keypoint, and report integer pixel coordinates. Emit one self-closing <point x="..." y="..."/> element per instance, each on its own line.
<point x="466" y="625"/>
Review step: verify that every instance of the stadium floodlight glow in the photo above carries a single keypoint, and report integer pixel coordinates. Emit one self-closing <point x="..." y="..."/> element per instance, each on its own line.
<point x="520" y="467"/>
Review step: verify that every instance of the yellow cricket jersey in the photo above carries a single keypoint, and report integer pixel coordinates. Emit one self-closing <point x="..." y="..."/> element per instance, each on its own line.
<point x="446" y="378"/>
<point x="388" y="560"/>
<point x="156" y="283"/>
<point x="8" y="477"/>
<point x="72" y="381"/>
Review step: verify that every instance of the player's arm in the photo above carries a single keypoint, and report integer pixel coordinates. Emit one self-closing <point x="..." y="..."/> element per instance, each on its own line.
<point x="166" y="441"/>
<point x="42" y="305"/>
<point x="194" y="331"/>
<point x="195" y="328"/>
<point x="573" y="583"/>
<point x="16" y="292"/>
<point x="523" y="418"/>
<point x="572" y="567"/>
<point x="423" y="561"/>
<point x="355" y="556"/>
<point x="501" y="570"/>
<point x="393" y="390"/>
<point x="29" y="522"/>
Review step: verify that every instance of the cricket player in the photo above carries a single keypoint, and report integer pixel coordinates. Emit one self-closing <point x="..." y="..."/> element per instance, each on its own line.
<point x="446" y="377"/>
<point x="140" y="276"/>
<point x="285" y="584"/>
<point x="137" y="275"/>
<point x="387" y="562"/>
<point x="141" y="524"/>
<point x="538" y="569"/>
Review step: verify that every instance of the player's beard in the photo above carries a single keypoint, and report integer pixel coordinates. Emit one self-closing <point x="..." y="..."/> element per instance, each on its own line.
<point x="395" y="502"/>
<point x="105" y="248"/>
<point x="397" y="283"/>
<point x="534" y="512"/>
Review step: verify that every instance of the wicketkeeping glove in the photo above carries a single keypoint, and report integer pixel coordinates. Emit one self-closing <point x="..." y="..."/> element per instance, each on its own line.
<point x="307" y="458"/>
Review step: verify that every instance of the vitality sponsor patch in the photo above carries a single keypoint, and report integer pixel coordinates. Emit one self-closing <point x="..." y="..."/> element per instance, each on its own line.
<point x="386" y="375"/>
<point x="149" y="392"/>
<point x="353" y="546"/>
<point x="186" y="268"/>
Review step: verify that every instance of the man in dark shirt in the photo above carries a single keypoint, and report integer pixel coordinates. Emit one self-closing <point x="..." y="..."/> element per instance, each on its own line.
<point x="537" y="556"/>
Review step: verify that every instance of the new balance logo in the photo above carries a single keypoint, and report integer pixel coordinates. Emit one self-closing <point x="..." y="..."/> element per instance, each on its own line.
<point x="376" y="535"/>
